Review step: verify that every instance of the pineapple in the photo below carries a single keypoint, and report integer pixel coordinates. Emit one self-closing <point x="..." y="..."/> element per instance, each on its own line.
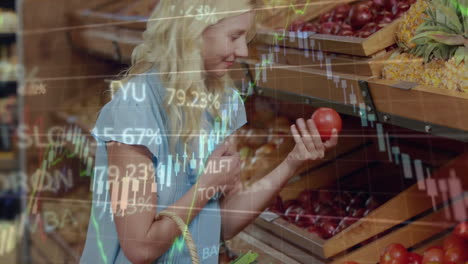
<point x="410" y="21"/>
<point x="444" y="36"/>
<point x="456" y="76"/>
<point x="403" y="66"/>
<point x="437" y="55"/>
<point x="433" y="74"/>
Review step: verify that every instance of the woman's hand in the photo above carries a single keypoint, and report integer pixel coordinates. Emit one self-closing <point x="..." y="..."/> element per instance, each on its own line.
<point x="309" y="145"/>
<point x="222" y="169"/>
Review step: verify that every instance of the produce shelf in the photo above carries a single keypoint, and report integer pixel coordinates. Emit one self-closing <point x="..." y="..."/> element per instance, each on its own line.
<point x="338" y="44"/>
<point x="399" y="103"/>
<point x="341" y="63"/>
<point x="313" y="39"/>
<point x="415" y="232"/>
<point x="432" y="110"/>
<point x="409" y="214"/>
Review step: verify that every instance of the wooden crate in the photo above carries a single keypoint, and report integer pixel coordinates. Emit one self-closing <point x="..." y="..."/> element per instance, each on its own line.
<point x="315" y="83"/>
<point x="378" y="41"/>
<point x="409" y="203"/>
<point x="409" y="235"/>
<point x="362" y="66"/>
<point x="280" y="14"/>
<point x="427" y="104"/>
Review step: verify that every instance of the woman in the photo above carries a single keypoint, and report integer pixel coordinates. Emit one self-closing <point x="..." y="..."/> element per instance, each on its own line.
<point x="162" y="146"/>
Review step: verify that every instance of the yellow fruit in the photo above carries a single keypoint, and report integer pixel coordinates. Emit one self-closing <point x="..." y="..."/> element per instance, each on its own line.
<point x="410" y="21"/>
<point x="455" y="76"/>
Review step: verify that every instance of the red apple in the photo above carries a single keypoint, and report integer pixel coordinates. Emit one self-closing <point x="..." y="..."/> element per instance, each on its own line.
<point x="326" y="17"/>
<point x="327" y="28"/>
<point x="389" y="4"/>
<point x="360" y="16"/>
<point x="315" y="230"/>
<point x="328" y="228"/>
<point x="343" y="9"/>
<point x="310" y="27"/>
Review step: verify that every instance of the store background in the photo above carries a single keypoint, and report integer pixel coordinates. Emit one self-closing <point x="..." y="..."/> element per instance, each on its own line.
<point x="66" y="64"/>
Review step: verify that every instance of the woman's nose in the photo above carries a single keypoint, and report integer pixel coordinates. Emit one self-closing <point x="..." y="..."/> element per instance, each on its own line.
<point x="242" y="51"/>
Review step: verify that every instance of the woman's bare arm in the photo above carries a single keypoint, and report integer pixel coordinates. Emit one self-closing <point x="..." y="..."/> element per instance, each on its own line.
<point x="240" y="207"/>
<point x="142" y="236"/>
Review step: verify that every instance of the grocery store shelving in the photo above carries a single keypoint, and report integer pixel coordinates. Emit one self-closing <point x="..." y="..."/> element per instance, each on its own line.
<point x="384" y="101"/>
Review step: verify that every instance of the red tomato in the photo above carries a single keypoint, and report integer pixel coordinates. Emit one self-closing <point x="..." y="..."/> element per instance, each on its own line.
<point x="433" y="255"/>
<point x="462" y="230"/>
<point x="326" y="119"/>
<point x="454" y="241"/>
<point x="455" y="250"/>
<point x="394" y="254"/>
<point x="414" y="258"/>
<point x="455" y="255"/>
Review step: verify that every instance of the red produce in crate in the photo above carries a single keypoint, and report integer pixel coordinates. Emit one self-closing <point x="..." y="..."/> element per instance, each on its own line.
<point x="400" y="8"/>
<point x="455" y="250"/>
<point x="394" y="254"/>
<point x="305" y="219"/>
<point x="414" y="258"/>
<point x="327" y="28"/>
<point x="384" y="17"/>
<point x="297" y="25"/>
<point x="360" y="16"/>
<point x="358" y="213"/>
<point x="339" y="17"/>
<point x="363" y="34"/>
<point x="433" y="254"/>
<point x="358" y="200"/>
<point x="277" y="205"/>
<point x="315" y="230"/>
<point x="328" y="227"/>
<point x="292" y="212"/>
<point x="462" y="230"/>
<point x="346" y="33"/>
<point x="345" y="223"/>
<point x="310" y="27"/>
<point x="326" y="17"/>
<point x="307" y="196"/>
<point x="325" y="196"/>
<point x="379" y="3"/>
<point x="342" y="9"/>
<point x="345" y="26"/>
<point x="371" y="27"/>
<point x="389" y="4"/>
<point x="371" y="203"/>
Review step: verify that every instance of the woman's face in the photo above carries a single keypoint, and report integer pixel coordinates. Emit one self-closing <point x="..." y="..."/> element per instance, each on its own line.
<point x="224" y="42"/>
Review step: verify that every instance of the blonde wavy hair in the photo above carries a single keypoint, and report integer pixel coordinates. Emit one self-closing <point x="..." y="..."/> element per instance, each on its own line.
<point x="172" y="42"/>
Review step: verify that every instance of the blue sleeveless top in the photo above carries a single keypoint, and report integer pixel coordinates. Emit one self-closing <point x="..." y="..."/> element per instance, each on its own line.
<point x="136" y="116"/>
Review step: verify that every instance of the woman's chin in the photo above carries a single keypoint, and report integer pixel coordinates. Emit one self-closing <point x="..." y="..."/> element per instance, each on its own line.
<point x="218" y="73"/>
